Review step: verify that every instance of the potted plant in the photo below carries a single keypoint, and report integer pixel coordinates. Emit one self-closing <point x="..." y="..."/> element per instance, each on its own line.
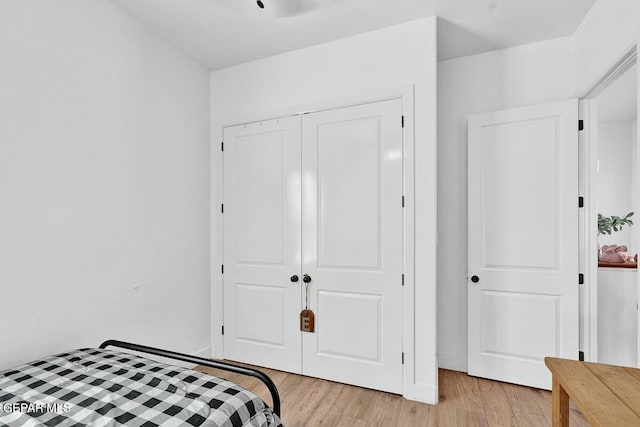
<point x="609" y="224"/>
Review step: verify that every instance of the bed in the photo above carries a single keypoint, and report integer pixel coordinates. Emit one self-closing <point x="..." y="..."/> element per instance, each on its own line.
<point x="108" y="387"/>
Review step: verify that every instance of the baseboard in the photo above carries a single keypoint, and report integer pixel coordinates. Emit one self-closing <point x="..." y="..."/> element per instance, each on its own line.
<point x="205" y="352"/>
<point x="452" y="363"/>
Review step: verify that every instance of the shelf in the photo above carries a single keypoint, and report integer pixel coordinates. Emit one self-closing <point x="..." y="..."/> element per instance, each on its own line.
<point x="628" y="264"/>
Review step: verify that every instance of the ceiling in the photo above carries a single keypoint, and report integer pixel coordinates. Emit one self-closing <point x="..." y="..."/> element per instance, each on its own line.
<point x="222" y="33"/>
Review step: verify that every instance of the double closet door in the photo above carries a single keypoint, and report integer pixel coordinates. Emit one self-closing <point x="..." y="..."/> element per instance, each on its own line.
<point x="316" y="197"/>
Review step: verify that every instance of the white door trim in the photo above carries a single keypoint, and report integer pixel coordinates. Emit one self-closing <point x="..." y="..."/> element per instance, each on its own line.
<point x="588" y="147"/>
<point x="618" y="67"/>
<point x="411" y="390"/>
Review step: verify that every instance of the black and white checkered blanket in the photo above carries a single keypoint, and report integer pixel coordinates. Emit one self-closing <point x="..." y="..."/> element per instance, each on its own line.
<point x="94" y="387"/>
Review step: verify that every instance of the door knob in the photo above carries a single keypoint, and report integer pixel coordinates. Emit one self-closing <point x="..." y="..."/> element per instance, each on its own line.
<point x="475" y="279"/>
<point x="294" y="278"/>
<point x="306" y="278"/>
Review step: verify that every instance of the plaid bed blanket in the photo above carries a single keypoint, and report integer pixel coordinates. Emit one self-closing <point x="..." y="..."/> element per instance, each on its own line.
<point x="93" y="387"/>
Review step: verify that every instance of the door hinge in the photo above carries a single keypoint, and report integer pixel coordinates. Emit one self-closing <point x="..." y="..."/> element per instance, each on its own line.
<point x="222" y="269"/>
<point x="403" y="201"/>
<point x="222" y="208"/>
<point x="222" y="329"/>
<point x="403" y="279"/>
<point x="580" y="279"/>
<point x="581" y="202"/>
<point x="581" y="356"/>
<point x="403" y="357"/>
<point x="222" y="146"/>
<point x="580" y="125"/>
<point x="402" y="121"/>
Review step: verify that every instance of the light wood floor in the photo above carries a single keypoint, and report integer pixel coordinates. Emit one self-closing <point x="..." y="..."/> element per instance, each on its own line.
<point x="464" y="401"/>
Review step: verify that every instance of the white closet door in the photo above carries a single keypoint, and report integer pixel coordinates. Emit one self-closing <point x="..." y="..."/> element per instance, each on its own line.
<point x="262" y="243"/>
<point x="352" y="244"/>
<point x="523" y="241"/>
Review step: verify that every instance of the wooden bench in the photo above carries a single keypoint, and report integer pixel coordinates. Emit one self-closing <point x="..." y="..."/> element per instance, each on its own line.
<point x="607" y="395"/>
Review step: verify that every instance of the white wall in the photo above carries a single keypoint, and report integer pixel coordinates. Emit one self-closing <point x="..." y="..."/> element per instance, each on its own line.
<point x="617" y="316"/>
<point x="525" y="75"/>
<point x="610" y="27"/>
<point x="104" y="183"/>
<point x="614" y="182"/>
<point x="353" y="68"/>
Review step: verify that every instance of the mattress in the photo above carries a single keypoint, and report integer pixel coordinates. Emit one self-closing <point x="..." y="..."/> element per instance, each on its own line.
<point x="94" y="387"/>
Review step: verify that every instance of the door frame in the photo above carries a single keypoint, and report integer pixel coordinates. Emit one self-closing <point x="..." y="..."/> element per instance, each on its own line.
<point x="411" y="390"/>
<point x="588" y="164"/>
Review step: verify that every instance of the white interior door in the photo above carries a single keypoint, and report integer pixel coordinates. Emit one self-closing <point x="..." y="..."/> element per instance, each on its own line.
<point x="523" y="241"/>
<point x="352" y="244"/>
<point x="262" y="243"/>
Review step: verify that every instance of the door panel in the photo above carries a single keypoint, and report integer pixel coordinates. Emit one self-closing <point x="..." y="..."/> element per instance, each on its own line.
<point x="262" y="243"/>
<point x="523" y="241"/>
<point x="260" y="197"/>
<point x="521" y="186"/>
<point x="517" y="342"/>
<point x="251" y="299"/>
<point x="364" y="342"/>
<point x="349" y="200"/>
<point x="352" y="243"/>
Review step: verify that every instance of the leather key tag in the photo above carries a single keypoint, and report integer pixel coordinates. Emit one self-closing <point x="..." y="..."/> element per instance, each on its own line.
<point x="307" y="321"/>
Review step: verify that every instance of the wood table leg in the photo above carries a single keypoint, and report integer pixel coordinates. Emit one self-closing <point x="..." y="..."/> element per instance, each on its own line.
<point x="560" y="404"/>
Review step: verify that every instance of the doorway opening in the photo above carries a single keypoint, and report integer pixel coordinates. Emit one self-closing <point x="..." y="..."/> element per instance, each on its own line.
<point x="610" y="182"/>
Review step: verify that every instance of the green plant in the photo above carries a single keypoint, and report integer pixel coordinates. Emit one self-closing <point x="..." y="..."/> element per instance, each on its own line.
<point x="607" y="224"/>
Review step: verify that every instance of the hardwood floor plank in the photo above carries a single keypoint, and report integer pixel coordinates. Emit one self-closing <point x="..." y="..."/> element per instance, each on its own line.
<point x="347" y="421"/>
<point x="325" y="409"/>
<point x="464" y="401"/>
<point x="497" y="407"/>
<point x="446" y="408"/>
<point x="465" y="417"/>
<point x="540" y="397"/>
<point x="460" y="400"/>
<point x="413" y="414"/>
<point x="525" y="409"/>
<point x="392" y="407"/>
<point x="468" y="393"/>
